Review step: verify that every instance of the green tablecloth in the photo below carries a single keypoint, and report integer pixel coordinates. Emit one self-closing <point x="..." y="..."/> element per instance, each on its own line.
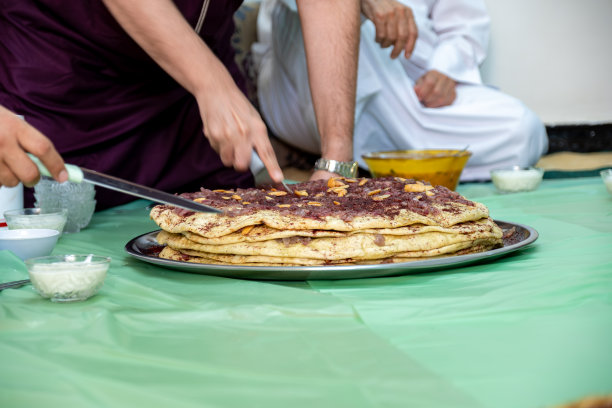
<point x="533" y="329"/>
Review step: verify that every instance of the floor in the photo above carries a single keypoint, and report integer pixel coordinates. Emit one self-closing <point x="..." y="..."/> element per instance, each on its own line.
<point x="572" y="161"/>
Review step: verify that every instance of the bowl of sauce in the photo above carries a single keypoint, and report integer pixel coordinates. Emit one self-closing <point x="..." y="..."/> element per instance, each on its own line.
<point x="441" y="167"/>
<point x="68" y="278"/>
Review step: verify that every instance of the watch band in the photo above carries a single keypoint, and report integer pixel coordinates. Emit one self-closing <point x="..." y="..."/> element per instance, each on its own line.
<point x="345" y="169"/>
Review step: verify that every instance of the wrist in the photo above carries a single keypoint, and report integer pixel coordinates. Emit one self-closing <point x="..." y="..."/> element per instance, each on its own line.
<point x="343" y="168"/>
<point x="338" y="148"/>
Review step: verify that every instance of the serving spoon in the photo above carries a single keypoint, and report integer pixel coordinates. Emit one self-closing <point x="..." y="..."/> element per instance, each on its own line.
<point x="14" y="284"/>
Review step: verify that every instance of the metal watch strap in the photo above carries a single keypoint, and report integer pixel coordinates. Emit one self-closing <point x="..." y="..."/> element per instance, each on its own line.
<point x="345" y="169"/>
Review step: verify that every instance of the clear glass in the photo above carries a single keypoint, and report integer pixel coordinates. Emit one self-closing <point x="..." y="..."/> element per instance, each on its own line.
<point x="606" y="176"/>
<point x="517" y="179"/>
<point x="68" y="278"/>
<point x="35" y="218"/>
<point x="77" y="198"/>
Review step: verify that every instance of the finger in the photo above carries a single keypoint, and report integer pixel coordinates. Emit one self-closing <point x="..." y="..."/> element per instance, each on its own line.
<point x="381" y="32"/>
<point x="444" y="92"/>
<point x="226" y="153"/>
<point x="393" y="34"/>
<point x="266" y="154"/>
<point x="52" y="160"/>
<point x="417" y="87"/>
<point x="448" y="94"/>
<point x="22" y="167"/>
<point x="435" y="97"/>
<point x="242" y="156"/>
<point x="390" y="31"/>
<point x="7" y="177"/>
<point x="402" y="35"/>
<point x="425" y="88"/>
<point x="413" y="34"/>
<point x="43" y="148"/>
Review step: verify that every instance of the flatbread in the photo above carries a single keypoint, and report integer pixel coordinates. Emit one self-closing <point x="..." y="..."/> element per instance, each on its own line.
<point x="336" y="222"/>
<point x="348" y="206"/>
<point x="354" y="246"/>
<point x="264" y="233"/>
<point x="239" y="260"/>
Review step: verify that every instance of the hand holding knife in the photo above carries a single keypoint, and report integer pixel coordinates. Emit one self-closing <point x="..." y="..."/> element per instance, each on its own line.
<point x="78" y="174"/>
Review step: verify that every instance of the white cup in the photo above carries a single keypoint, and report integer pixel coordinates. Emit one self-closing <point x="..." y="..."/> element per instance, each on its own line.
<point x="11" y="198"/>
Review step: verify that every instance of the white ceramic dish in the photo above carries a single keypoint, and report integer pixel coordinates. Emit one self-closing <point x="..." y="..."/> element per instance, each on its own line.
<point x="68" y="278"/>
<point x="29" y="243"/>
<point x="516" y="179"/>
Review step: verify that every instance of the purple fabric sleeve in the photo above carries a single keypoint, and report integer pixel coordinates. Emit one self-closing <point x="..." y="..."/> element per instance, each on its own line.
<point x="73" y="73"/>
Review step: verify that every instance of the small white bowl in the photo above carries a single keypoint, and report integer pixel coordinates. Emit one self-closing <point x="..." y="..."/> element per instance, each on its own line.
<point x="29" y="243"/>
<point x="606" y="176"/>
<point x="37" y="218"/>
<point x="68" y="278"/>
<point x="516" y="179"/>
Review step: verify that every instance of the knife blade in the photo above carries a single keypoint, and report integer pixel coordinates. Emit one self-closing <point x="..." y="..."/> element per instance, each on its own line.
<point x="78" y="174"/>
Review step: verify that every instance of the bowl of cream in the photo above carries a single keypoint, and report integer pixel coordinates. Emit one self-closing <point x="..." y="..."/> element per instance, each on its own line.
<point x="68" y="278"/>
<point x="516" y="179"/>
<point x="25" y="218"/>
<point x="606" y="176"/>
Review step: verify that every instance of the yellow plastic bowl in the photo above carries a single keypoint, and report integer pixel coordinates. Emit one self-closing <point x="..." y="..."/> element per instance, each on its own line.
<point x="438" y="167"/>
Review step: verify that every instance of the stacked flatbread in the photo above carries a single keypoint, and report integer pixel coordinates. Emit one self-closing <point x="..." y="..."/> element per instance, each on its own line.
<point x="340" y="221"/>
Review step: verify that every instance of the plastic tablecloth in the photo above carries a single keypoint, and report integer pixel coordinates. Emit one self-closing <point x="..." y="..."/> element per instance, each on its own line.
<point x="532" y="329"/>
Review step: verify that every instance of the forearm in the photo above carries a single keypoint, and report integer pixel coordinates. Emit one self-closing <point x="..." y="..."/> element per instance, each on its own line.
<point x="231" y="124"/>
<point x="331" y="39"/>
<point x="161" y="30"/>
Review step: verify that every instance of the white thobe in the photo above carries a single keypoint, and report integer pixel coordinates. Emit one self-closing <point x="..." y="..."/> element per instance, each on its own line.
<point x="498" y="129"/>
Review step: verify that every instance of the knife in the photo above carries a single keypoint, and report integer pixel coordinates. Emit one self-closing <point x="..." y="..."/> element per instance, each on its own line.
<point x="78" y="174"/>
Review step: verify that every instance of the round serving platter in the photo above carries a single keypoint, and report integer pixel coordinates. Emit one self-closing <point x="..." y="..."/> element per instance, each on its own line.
<point x="145" y="247"/>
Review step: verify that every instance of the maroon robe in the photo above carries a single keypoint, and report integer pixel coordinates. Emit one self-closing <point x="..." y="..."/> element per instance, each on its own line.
<point x="73" y="73"/>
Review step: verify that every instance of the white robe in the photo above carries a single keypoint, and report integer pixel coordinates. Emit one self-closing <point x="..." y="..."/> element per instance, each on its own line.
<point x="498" y="129"/>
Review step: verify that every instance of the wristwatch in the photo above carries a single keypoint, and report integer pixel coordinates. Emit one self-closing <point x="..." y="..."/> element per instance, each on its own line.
<point x="345" y="169"/>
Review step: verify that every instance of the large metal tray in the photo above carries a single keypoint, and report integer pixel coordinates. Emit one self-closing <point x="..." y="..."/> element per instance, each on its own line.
<point x="145" y="247"/>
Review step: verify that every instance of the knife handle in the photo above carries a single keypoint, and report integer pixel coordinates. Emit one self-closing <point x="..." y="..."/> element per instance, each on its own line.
<point x="75" y="174"/>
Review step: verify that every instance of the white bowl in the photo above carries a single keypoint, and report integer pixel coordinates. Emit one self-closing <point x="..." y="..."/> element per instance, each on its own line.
<point x="68" y="278"/>
<point x="37" y="218"/>
<point x="29" y="243"/>
<point x="516" y="179"/>
<point x="606" y="176"/>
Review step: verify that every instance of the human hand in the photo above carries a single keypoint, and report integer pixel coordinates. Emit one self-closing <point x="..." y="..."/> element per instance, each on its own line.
<point x="394" y="24"/>
<point x="322" y="175"/>
<point x="231" y="124"/>
<point x="234" y="129"/>
<point x="435" y="89"/>
<point x="16" y="139"/>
